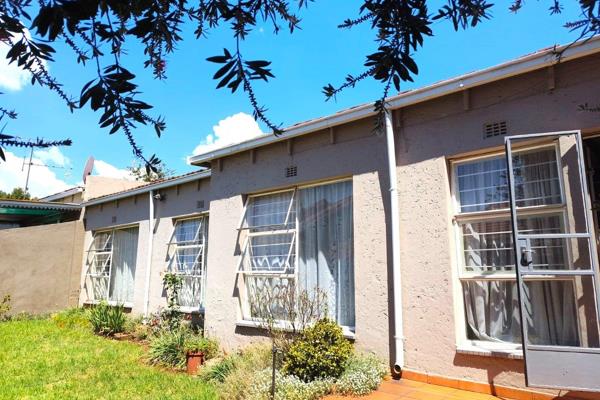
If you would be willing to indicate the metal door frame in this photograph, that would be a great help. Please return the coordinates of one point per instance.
(521, 241)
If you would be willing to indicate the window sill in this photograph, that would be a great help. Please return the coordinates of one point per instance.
(191, 310)
(348, 334)
(484, 349)
(110, 303)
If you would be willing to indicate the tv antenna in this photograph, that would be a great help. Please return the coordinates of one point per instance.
(30, 164)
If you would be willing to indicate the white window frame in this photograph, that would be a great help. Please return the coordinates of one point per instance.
(481, 347)
(172, 250)
(92, 252)
(246, 320)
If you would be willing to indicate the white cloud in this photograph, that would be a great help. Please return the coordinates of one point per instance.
(105, 169)
(42, 180)
(233, 129)
(53, 156)
(13, 77)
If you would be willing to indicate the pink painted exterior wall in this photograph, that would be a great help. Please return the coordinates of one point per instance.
(428, 136)
(357, 153)
(433, 133)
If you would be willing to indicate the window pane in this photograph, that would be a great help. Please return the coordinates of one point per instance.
(271, 253)
(102, 241)
(483, 184)
(326, 259)
(492, 311)
(188, 261)
(536, 178)
(488, 245)
(270, 212)
(98, 288)
(190, 294)
(270, 297)
(187, 231)
(100, 264)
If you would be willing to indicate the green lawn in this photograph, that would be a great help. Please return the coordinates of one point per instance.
(39, 360)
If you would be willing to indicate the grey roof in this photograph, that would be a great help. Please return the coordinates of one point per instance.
(38, 205)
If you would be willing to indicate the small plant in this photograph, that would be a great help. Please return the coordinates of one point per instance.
(199, 344)
(220, 369)
(107, 320)
(5, 307)
(72, 318)
(362, 375)
(320, 352)
(172, 315)
(168, 349)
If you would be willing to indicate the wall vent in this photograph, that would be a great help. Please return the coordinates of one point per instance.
(494, 129)
(114, 219)
(200, 204)
(291, 171)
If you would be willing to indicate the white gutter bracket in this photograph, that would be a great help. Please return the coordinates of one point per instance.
(395, 225)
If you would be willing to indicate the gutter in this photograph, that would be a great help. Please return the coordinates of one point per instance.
(147, 188)
(395, 223)
(508, 69)
(149, 255)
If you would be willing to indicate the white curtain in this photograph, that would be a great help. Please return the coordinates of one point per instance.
(492, 312)
(122, 280)
(326, 247)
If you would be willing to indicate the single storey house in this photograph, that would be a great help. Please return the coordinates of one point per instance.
(412, 233)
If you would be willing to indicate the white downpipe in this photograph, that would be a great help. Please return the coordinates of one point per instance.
(149, 256)
(395, 221)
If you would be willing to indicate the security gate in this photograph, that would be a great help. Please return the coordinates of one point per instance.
(557, 269)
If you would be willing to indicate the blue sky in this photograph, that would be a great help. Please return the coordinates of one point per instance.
(302, 63)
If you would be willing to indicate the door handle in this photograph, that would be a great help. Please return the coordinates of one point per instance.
(526, 257)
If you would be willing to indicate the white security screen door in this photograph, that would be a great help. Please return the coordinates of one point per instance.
(556, 264)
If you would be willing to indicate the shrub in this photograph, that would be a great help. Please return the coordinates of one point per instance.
(320, 352)
(198, 343)
(72, 318)
(5, 307)
(288, 387)
(168, 349)
(107, 320)
(362, 375)
(132, 323)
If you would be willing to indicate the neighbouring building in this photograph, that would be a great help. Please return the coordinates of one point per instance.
(41, 242)
(417, 260)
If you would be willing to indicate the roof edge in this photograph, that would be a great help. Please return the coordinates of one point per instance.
(147, 188)
(64, 193)
(39, 204)
(518, 66)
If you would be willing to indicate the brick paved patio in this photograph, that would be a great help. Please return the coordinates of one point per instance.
(413, 390)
